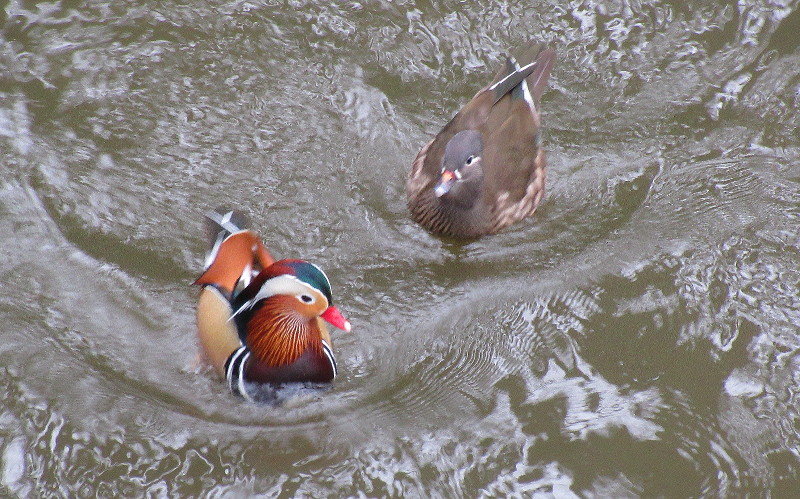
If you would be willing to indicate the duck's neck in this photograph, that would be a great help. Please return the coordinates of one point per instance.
(449, 215)
(465, 194)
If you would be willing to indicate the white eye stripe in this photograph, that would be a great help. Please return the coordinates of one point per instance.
(282, 285)
(285, 285)
(457, 174)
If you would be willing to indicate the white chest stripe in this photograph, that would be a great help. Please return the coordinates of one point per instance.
(234, 372)
(242, 388)
(234, 369)
(329, 353)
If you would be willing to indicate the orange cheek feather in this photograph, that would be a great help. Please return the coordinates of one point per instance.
(277, 333)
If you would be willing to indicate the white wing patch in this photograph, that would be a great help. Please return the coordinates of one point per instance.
(526, 93)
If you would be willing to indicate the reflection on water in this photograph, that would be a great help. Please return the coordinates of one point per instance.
(638, 337)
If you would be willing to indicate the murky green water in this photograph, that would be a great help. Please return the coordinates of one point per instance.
(637, 337)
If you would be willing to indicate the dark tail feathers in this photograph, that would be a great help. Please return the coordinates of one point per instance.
(222, 222)
(537, 62)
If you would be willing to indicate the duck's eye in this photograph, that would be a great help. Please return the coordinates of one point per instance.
(306, 298)
(470, 160)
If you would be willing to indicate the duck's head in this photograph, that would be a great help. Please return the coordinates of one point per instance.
(295, 288)
(462, 169)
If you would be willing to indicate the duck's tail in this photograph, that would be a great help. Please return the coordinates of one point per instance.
(235, 252)
(526, 79)
(221, 223)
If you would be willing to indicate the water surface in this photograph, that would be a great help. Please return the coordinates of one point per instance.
(637, 337)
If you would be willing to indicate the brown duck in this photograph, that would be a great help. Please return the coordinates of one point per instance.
(485, 170)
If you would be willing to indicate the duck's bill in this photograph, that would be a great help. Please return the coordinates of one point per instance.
(445, 183)
(335, 318)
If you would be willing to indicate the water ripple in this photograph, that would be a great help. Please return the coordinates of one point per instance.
(641, 327)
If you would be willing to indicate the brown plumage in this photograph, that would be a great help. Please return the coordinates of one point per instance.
(486, 169)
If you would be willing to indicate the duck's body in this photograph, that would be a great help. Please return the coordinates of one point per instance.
(261, 320)
(486, 169)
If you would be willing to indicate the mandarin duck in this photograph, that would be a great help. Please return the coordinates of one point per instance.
(261, 320)
(485, 170)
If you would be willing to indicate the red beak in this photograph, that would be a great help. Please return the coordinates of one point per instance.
(333, 316)
(444, 185)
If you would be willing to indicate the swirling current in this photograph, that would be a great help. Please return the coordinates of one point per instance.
(638, 337)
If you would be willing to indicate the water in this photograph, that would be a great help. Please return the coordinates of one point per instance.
(637, 337)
